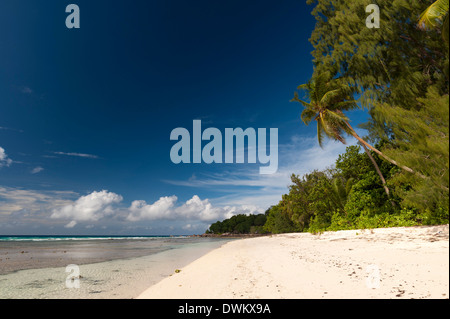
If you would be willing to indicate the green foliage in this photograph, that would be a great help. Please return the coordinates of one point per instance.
(278, 221)
(400, 73)
(436, 15)
(340, 189)
(367, 196)
(366, 220)
(350, 196)
(328, 98)
(353, 163)
(239, 224)
(395, 63)
(422, 141)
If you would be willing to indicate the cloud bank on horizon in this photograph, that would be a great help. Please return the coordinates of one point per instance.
(243, 192)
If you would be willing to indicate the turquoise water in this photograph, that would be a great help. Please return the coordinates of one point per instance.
(31, 252)
(117, 267)
(62, 237)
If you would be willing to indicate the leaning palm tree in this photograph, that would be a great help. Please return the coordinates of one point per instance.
(328, 98)
(436, 15)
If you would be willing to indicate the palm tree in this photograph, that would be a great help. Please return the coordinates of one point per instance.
(328, 99)
(340, 190)
(436, 15)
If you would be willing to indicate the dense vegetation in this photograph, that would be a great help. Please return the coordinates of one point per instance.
(399, 175)
(349, 196)
(239, 224)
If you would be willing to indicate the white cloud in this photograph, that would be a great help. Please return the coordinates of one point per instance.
(22, 209)
(71, 224)
(29, 207)
(192, 209)
(91, 207)
(20, 199)
(77, 154)
(161, 209)
(241, 190)
(4, 160)
(198, 209)
(37, 170)
(245, 186)
(10, 129)
(26, 90)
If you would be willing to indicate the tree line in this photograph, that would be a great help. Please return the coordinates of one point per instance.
(240, 224)
(398, 175)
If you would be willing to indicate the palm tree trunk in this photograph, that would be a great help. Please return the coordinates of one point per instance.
(406, 168)
(377, 168)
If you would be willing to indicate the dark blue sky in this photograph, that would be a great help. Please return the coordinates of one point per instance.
(91, 109)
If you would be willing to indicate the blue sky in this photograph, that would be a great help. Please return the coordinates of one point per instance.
(86, 114)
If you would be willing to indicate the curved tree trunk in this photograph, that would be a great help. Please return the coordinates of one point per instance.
(406, 168)
(377, 168)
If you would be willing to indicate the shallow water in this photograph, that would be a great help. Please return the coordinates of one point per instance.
(107, 269)
(38, 252)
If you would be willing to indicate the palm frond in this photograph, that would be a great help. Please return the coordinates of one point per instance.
(445, 29)
(340, 120)
(369, 98)
(337, 134)
(337, 116)
(434, 14)
(349, 185)
(297, 99)
(303, 86)
(308, 115)
(306, 88)
(320, 85)
(328, 129)
(330, 95)
(344, 105)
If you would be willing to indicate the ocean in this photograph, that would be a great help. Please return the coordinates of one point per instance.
(63, 237)
(105, 266)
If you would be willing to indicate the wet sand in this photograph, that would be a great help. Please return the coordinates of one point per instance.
(20, 255)
(112, 269)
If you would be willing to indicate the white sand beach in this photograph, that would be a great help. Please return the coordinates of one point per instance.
(406, 262)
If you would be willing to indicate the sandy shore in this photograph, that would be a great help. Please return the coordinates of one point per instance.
(406, 262)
